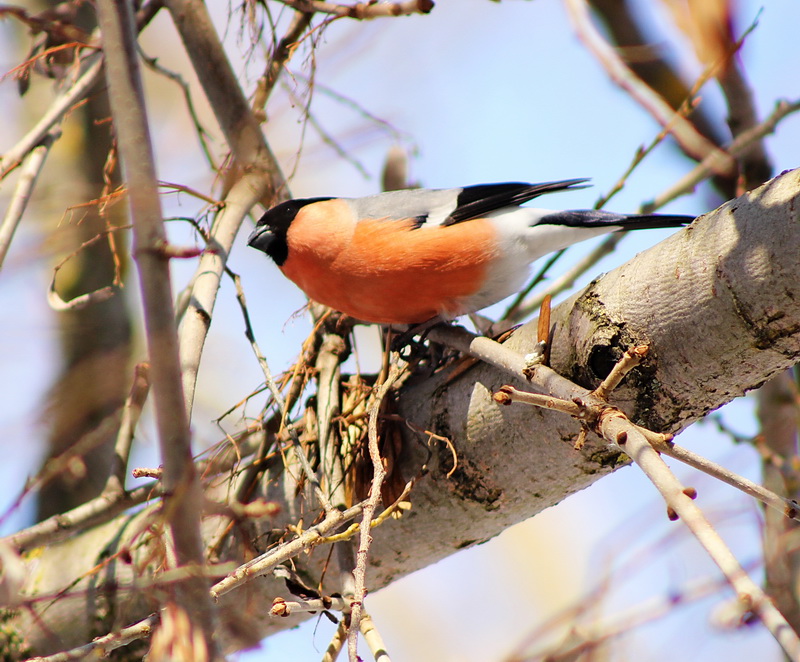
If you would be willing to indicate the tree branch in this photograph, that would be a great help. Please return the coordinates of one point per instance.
(722, 273)
(183, 506)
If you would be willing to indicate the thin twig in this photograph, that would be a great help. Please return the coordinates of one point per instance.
(277, 61)
(79, 302)
(522, 306)
(202, 295)
(92, 71)
(221, 86)
(400, 504)
(31, 167)
(105, 644)
(264, 564)
(630, 359)
(362, 10)
(283, 608)
(507, 394)
(373, 638)
(92, 68)
(378, 476)
(787, 507)
(754, 163)
(101, 509)
(337, 642)
(615, 426)
(280, 403)
(202, 134)
(329, 397)
(131, 412)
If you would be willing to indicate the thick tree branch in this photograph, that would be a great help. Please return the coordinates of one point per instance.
(718, 305)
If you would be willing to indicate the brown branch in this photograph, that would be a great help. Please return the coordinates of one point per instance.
(182, 510)
(362, 10)
(280, 56)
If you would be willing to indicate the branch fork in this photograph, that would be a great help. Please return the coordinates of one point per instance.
(644, 448)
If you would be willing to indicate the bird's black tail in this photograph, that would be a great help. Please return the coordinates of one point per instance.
(591, 218)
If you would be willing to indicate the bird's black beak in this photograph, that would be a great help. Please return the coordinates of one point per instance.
(261, 238)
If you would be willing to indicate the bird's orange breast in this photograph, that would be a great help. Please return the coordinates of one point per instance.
(385, 270)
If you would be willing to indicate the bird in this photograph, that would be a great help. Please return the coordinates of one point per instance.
(413, 256)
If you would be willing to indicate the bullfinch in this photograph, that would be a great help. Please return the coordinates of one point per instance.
(410, 256)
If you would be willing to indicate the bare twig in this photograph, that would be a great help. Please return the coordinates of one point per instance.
(630, 359)
(280, 403)
(29, 172)
(100, 509)
(262, 179)
(523, 305)
(378, 476)
(264, 564)
(679, 501)
(105, 644)
(280, 56)
(337, 642)
(329, 377)
(282, 608)
(131, 411)
(92, 71)
(507, 394)
(202, 134)
(399, 504)
(789, 508)
(58, 304)
(373, 639)
(362, 10)
(230, 106)
(202, 295)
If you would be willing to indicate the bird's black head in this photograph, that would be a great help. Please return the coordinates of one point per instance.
(270, 233)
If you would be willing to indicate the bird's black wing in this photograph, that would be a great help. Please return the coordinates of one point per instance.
(476, 201)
